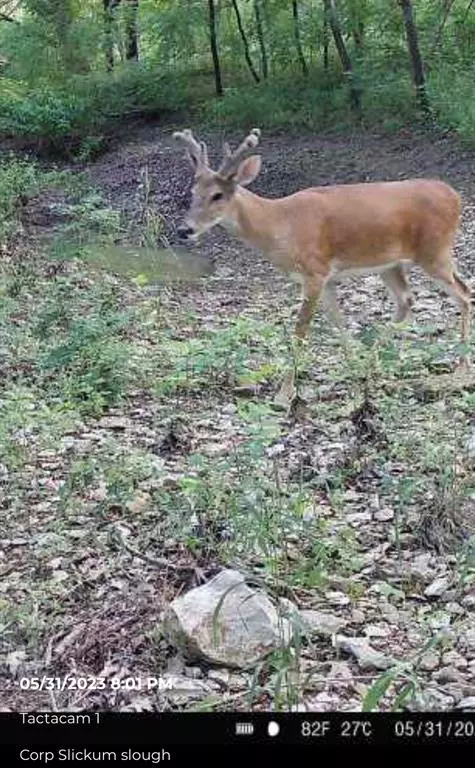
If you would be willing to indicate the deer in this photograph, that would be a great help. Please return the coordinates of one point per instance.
(319, 235)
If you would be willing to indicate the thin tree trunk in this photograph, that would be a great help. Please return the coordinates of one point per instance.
(245, 43)
(358, 37)
(214, 48)
(415, 56)
(131, 31)
(298, 42)
(333, 21)
(448, 4)
(261, 38)
(108, 16)
(326, 38)
(467, 11)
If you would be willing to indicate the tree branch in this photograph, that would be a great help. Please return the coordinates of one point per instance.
(5, 17)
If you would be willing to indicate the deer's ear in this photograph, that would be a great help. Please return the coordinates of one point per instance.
(248, 170)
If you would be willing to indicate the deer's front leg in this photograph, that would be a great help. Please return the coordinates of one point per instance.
(311, 294)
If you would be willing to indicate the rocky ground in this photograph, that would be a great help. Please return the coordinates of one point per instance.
(359, 508)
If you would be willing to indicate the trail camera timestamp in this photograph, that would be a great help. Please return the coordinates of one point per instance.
(70, 682)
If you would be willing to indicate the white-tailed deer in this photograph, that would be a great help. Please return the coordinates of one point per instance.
(321, 234)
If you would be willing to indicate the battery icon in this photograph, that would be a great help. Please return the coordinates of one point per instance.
(244, 729)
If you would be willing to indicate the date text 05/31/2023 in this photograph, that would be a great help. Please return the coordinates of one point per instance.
(91, 683)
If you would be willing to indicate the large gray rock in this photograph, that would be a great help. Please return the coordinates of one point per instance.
(225, 622)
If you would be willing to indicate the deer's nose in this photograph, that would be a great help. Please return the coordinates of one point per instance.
(184, 232)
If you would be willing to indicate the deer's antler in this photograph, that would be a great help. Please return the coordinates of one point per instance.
(196, 150)
(232, 160)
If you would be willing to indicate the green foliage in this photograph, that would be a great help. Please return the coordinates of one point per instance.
(76, 115)
(17, 178)
(90, 363)
(56, 93)
(226, 358)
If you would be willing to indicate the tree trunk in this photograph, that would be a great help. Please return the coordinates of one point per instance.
(467, 11)
(298, 42)
(214, 48)
(245, 43)
(131, 31)
(415, 56)
(448, 4)
(358, 37)
(108, 16)
(326, 39)
(261, 38)
(333, 21)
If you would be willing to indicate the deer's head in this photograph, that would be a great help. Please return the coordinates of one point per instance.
(213, 191)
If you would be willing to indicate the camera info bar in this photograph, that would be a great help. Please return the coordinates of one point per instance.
(130, 738)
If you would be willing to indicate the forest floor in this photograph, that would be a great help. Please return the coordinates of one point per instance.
(140, 447)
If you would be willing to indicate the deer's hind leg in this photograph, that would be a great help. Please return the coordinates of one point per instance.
(443, 271)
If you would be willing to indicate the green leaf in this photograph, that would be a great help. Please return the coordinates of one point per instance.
(378, 689)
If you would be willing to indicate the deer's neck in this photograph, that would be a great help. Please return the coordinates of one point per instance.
(253, 219)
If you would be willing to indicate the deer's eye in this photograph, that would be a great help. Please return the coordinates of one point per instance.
(217, 196)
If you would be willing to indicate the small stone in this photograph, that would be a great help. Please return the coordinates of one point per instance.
(440, 621)
(389, 612)
(469, 600)
(415, 636)
(238, 682)
(139, 503)
(420, 566)
(468, 639)
(467, 703)
(194, 672)
(322, 702)
(376, 630)
(454, 608)
(437, 587)
(337, 598)
(366, 656)
(435, 700)
(221, 676)
(384, 515)
(448, 675)
(113, 422)
(185, 686)
(357, 616)
(321, 622)
(454, 659)
(470, 447)
(60, 575)
(429, 661)
(455, 690)
(358, 518)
